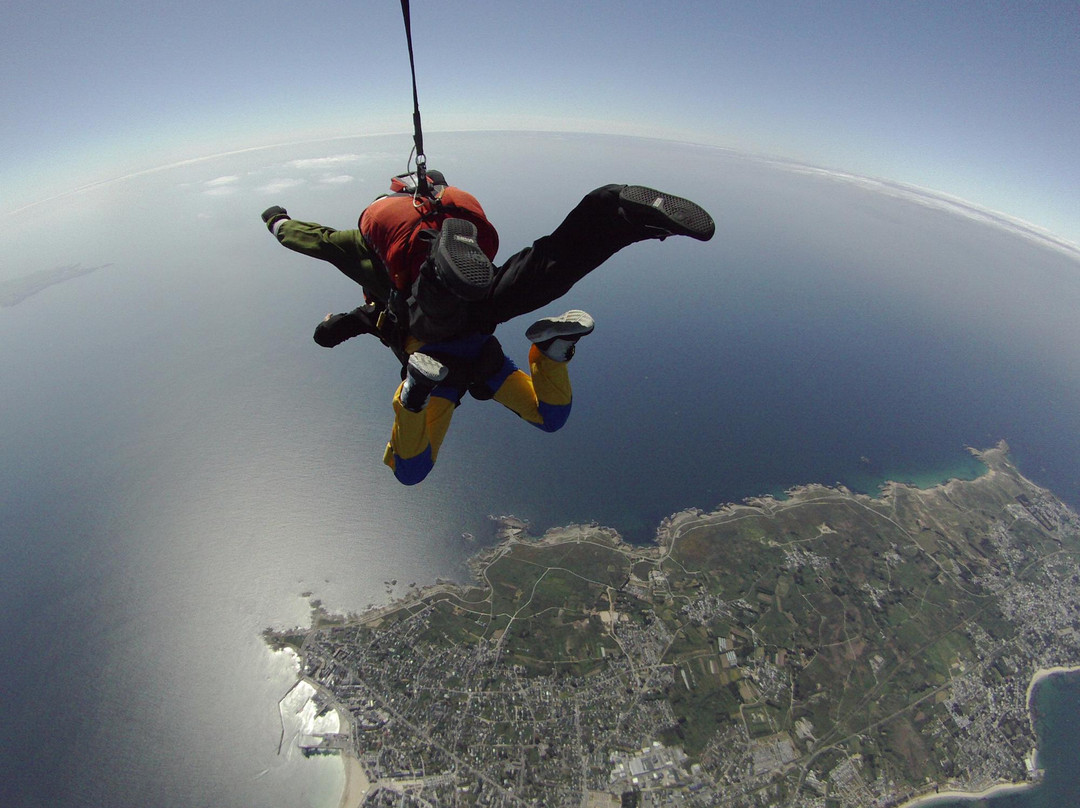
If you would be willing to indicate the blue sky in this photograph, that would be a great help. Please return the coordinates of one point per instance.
(980, 100)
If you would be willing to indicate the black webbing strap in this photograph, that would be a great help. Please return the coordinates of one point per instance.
(418, 133)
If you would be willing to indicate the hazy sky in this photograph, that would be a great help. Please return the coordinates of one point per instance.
(976, 99)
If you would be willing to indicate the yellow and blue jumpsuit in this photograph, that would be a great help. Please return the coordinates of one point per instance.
(541, 397)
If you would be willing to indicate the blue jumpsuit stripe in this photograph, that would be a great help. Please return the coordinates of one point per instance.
(554, 416)
(411, 470)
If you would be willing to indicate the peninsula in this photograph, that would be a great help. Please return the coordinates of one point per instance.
(16, 290)
(826, 650)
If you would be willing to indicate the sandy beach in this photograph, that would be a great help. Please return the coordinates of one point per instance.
(1043, 673)
(929, 800)
(357, 784)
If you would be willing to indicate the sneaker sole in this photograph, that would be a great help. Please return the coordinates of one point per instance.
(428, 366)
(574, 323)
(670, 214)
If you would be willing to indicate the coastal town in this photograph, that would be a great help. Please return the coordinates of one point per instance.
(826, 650)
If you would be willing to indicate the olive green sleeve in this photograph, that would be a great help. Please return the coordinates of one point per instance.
(345, 249)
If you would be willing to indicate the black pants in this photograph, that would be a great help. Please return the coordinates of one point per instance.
(589, 235)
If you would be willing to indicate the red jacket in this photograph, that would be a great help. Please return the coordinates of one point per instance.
(391, 225)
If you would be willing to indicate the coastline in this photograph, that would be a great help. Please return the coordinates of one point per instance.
(996, 460)
(1046, 673)
(929, 800)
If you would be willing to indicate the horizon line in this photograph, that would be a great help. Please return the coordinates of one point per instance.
(945, 200)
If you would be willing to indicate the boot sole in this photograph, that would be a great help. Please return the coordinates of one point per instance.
(428, 367)
(458, 247)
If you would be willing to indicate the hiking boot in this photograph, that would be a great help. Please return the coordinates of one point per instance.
(460, 265)
(662, 215)
(423, 374)
(556, 337)
(336, 328)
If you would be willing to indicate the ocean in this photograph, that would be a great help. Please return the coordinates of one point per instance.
(183, 467)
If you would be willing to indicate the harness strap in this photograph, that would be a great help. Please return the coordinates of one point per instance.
(392, 325)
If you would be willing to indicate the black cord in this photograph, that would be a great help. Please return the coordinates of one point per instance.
(418, 133)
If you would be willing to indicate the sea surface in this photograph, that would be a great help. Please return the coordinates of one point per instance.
(182, 466)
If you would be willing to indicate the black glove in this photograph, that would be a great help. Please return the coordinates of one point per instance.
(273, 215)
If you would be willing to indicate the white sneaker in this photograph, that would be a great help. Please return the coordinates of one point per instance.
(556, 337)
